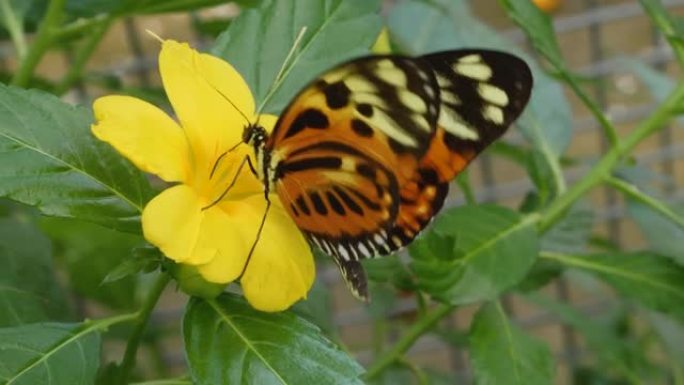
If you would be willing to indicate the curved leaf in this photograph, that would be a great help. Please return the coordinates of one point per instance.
(500, 350)
(259, 40)
(28, 289)
(652, 280)
(50, 160)
(228, 342)
(474, 253)
(49, 354)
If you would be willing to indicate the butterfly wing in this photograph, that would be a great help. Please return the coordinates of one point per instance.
(365, 153)
(481, 93)
(343, 148)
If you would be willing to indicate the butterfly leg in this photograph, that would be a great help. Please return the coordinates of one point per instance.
(232, 182)
(258, 235)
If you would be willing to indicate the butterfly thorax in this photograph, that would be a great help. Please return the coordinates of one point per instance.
(256, 136)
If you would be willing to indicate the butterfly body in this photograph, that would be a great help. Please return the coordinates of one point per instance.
(363, 156)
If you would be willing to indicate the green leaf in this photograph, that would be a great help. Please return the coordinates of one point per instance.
(652, 280)
(50, 160)
(317, 308)
(474, 253)
(613, 350)
(28, 289)
(500, 350)
(49, 354)
(663, 236)
(228, 342)
(143, 259)
(538, 26)
(259, 40)
(571, 234)
(88, 262)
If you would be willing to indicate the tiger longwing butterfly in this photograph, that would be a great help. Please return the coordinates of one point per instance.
(362, 157)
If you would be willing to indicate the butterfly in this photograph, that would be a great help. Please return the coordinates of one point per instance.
(363, 155)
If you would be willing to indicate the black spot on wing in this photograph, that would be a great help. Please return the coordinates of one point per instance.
(322, 162)
(309, 118)
(348, 201)
(335, 203)
(361, 128)
(303, 206)
(337, 95)
(318, 203)
(365, 109)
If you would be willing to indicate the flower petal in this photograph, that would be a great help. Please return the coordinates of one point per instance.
(281, 270)
(206, 93)
(144, 134)
(171, 221)
(229, 229)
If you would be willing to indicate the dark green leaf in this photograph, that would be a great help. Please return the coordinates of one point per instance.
(540, 275)
(28, 289)
(90, 253)
(663, 236)
(50, 160)
(228, 342)
(572, 233)
(390, 270)
(91, 8)
(537, 24)
(49, 354)
(259, 40)
(317, 308)
(650, 279)
(474, 253)
(500, 350)
(613, 350)
(143, 259)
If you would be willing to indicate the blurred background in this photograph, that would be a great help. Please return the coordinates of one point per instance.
(625, 64)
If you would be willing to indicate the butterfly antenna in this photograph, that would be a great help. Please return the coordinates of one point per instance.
(229, 101)
(284, 69)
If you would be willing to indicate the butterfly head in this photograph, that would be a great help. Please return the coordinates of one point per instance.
(254, 135)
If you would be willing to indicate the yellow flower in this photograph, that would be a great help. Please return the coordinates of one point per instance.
(193, 222)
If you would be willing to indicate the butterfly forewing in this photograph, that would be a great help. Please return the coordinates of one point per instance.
(364, 154)
(481, 93)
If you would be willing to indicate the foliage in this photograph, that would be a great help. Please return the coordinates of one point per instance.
(91, 245)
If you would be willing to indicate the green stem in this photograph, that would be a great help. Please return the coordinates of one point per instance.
(636, 194)
(606, 125)
(79, 27)
(14, 25)
(463, 181)
(141, 322)
(602, 169)
(41, 43)
(84, 53)
(659, 15)
(418, 373)
(421, 326)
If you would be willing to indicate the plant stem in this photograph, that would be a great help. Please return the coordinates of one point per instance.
(636, 194)
(606, 125)
(42, 42)
(141, 322)
(15, 28)
(658, 13)
(84, 53)
(421, 326)
(601, 170)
